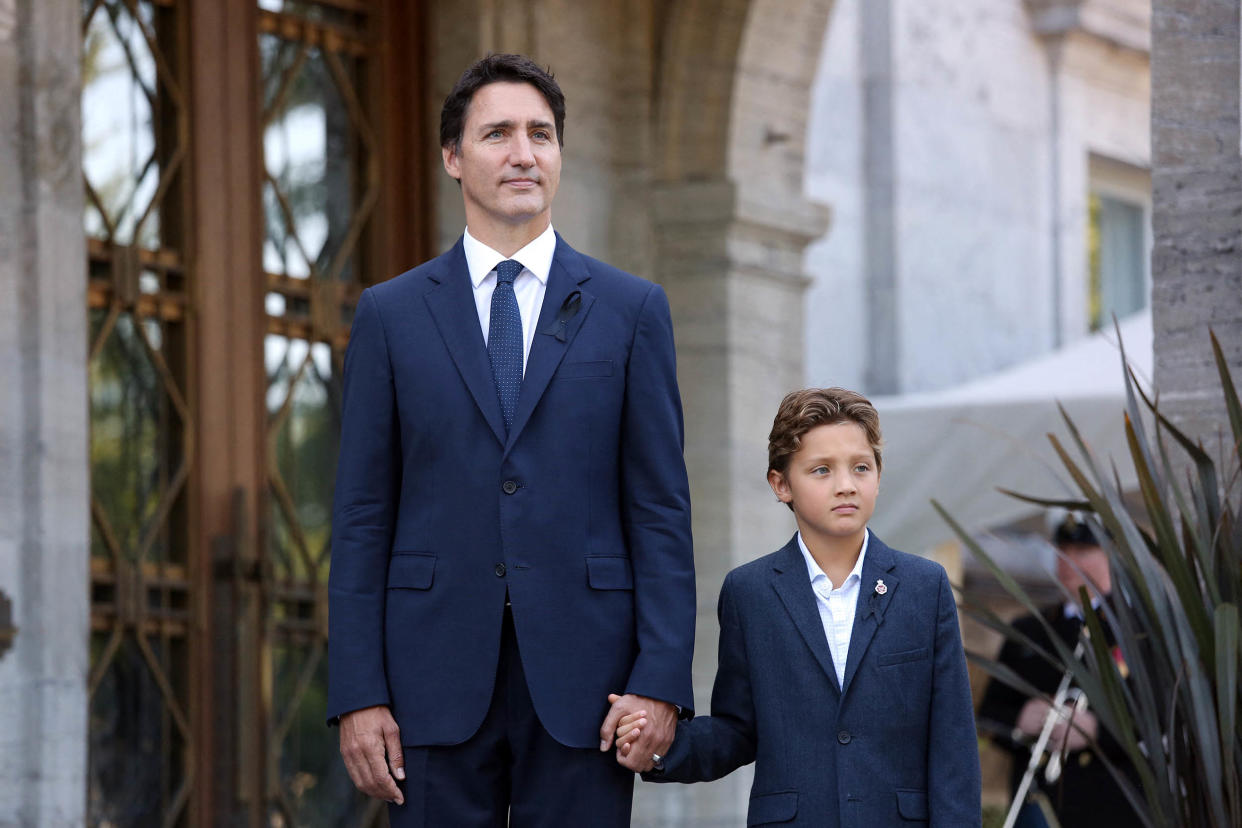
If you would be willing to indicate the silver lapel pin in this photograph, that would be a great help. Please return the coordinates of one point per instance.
(880, 586)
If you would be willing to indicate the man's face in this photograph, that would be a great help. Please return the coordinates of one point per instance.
(509, 160)
(832, 482)
(1087, 559)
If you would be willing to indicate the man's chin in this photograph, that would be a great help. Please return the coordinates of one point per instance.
(519, 214)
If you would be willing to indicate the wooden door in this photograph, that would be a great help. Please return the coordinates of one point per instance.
(247, 172)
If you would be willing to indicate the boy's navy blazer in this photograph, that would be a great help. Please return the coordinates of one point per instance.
(581, 512)
(894, 746)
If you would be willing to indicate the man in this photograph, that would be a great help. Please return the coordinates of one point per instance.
(511, 530)
(1086, 793)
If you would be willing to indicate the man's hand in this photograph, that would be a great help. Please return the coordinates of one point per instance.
(1077, 729)
(653, 737)
(366, 735)
(1031, 719)
(1078, 734)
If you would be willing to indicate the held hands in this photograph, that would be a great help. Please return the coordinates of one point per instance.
(366, 735)
(642, 727)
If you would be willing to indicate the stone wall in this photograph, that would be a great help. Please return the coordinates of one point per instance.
(1197, 182)
(44, 529)
(954, 142)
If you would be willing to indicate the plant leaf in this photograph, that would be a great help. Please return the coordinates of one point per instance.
(1232, 405)
(1227, 695)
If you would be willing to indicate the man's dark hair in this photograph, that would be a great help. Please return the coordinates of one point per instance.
(1073, 531)
(498, 69)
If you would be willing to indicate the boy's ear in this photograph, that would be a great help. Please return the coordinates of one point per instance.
(780, 486)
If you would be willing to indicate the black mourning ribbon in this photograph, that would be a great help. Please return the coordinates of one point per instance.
(568, 310)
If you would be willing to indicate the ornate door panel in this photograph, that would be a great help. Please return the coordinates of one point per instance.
(320, 186)
(242, 161)
(134, 117)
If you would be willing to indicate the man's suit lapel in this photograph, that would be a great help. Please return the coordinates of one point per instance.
(869, 614)
(452, 306)
(565, 305)
(792, 585)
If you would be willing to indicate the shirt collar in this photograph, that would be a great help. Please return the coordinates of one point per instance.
(812, 568)
(536, 256)
(1072, 610)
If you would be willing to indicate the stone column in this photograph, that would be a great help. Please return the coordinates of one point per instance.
(44, 464)
(733, 271)
(1197, 206)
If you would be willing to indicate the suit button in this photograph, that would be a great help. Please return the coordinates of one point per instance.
(844, 737)
(509, 487)
(500, 570)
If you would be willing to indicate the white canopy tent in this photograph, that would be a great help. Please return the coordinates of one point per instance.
(958, 445)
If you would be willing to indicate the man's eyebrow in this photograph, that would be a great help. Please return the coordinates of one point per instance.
(496, 125)
(508, 124)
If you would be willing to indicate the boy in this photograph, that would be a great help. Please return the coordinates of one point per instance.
(841, 671)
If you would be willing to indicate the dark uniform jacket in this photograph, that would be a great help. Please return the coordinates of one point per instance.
(1086, 794)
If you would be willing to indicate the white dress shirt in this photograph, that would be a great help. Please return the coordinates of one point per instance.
(836, 606)
(528, 287)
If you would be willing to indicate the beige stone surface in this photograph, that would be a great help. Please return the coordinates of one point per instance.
(44, 530)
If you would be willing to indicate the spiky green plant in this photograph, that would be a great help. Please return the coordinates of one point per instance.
(1177, 580)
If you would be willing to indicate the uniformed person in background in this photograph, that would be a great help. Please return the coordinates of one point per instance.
(1086, 794)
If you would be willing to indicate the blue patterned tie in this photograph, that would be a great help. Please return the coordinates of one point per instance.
(504, 340)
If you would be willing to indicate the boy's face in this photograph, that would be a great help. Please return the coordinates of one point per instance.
(831, 482)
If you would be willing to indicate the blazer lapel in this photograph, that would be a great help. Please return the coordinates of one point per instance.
(565, 306)
(791, 583)
(451, 302)
(869, 614)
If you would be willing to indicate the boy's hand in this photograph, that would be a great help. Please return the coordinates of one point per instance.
(628, 729)
(653, 738)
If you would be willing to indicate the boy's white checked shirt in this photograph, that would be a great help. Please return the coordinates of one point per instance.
(836, 606)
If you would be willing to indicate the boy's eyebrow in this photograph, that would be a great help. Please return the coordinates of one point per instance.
(869, 456)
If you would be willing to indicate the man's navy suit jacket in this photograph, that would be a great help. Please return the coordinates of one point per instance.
(894, 746)
(581, 512)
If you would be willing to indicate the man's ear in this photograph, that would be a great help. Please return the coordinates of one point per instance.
(451, 161)
(780, 486)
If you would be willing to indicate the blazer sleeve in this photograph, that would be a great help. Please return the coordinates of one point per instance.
(655, 500)
(954, 785)
(709, 747)
(363, 518)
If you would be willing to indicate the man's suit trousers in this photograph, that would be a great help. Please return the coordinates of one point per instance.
(511, 772)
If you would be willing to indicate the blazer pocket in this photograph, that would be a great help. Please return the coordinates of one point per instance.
(912, 803)
(584, 370)
(889, 659)
(609, 572)
(411, 570)
(772, 808)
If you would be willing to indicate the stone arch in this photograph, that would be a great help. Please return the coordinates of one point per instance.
(730, 223)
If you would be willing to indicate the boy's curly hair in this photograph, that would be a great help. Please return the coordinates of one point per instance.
(803, 410)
